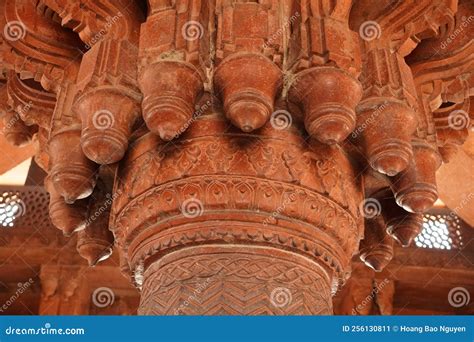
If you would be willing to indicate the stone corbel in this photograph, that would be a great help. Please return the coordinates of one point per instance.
(55, 65)
(386, 117)
(108, 98)
(73, 175)
(326, 57)
(250, 43)
(376, 249)
(95, 242)
(451, 123)
(403, 226)
(415, 188)
(171, 74)
(69, 218)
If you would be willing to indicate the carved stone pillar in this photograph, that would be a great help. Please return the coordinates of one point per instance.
(239, 151)
(257, 214)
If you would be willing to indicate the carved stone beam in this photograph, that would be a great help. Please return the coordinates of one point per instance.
(325, 56)
(442, 70)
(171, 72)
(93, 20)
(26, 28)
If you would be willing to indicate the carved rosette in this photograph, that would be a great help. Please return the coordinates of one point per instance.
(268, 192)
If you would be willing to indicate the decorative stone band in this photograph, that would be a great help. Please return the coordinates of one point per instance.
(238, 211)
(220, 186)
(213, 280)
(210, 147)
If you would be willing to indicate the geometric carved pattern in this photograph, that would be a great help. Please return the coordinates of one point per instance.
(314, 217)
(235, 283)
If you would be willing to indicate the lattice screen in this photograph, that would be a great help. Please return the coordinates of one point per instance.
(441, 231)
(24, 206)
